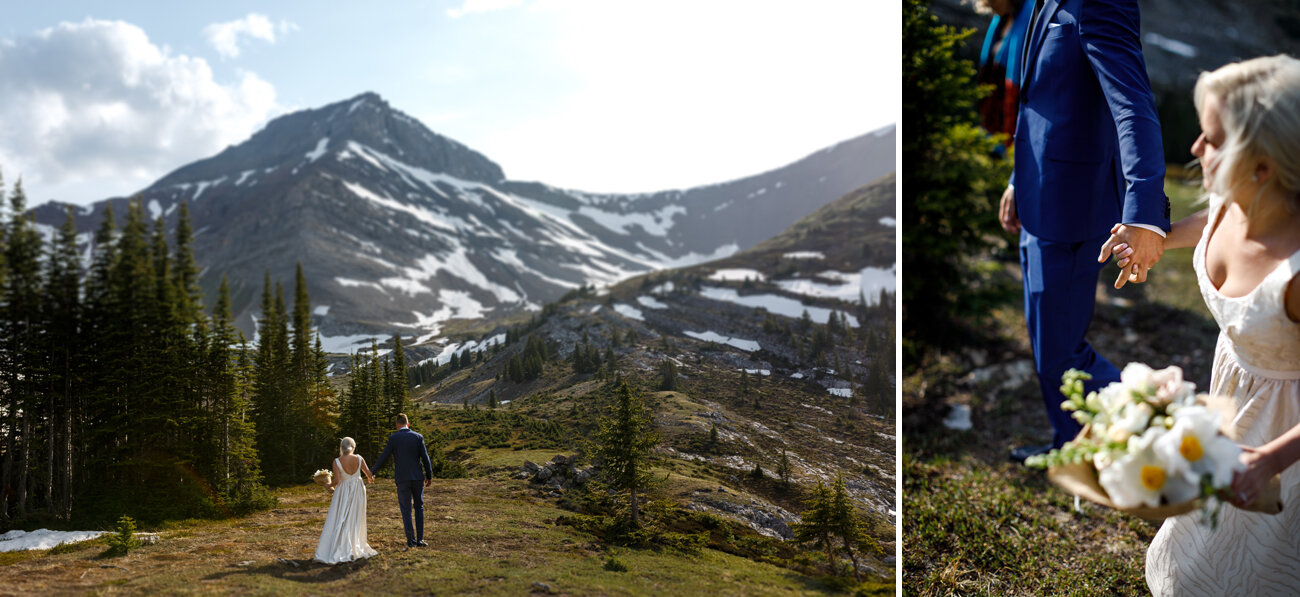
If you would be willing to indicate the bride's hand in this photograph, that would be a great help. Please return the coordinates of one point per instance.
(1249, 484)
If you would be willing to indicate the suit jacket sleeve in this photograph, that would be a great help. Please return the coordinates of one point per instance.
(424, 460)
(1109, 34)
(383, 457)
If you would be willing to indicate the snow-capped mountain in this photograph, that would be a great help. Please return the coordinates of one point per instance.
(400, 229)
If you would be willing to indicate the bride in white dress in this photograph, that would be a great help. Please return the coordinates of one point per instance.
(1247, 264)
(344, 537)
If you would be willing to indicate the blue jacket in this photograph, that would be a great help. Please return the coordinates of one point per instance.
(409, 454)
(1088, 148)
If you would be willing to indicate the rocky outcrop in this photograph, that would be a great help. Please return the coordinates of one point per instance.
(556, 476)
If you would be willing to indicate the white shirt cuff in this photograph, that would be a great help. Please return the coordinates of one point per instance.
(1155, 229)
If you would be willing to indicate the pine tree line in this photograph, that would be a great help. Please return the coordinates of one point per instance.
(293, 401)
(118, 392)
(377, 392)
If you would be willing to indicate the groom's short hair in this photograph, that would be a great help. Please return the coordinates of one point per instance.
(401, 420)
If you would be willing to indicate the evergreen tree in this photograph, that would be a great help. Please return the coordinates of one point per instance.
(398, 390)
(62, 321)
(783, 468)
(623, 441)
(668, 376)
(20, 314)
(950, 205)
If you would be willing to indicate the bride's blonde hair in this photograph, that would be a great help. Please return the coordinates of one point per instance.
(1260, 113)
(346, 446)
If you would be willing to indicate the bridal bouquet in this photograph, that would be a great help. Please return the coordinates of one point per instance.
(322, 476)
(1150, 446)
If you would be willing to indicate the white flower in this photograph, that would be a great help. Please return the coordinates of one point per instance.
(1193, 447)
(1136, 416)
(1137, 376)
(1170, 386)
(1140, 478)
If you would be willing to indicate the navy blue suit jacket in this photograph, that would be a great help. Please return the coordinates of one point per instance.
(1088, 149)
(407, 449)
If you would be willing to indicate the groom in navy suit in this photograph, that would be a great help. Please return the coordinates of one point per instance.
(1088, 156)
(409, 454)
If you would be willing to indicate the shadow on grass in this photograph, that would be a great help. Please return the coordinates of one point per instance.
(301, 571)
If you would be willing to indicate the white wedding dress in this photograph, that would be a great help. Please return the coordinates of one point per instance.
(1257, 362)
(344, 537)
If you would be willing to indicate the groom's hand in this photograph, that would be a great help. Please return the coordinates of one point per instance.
(1145, 249)
(427, 483)
(1007, 211)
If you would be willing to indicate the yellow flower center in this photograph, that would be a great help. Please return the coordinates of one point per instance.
(1153, 477)
(1191, 448)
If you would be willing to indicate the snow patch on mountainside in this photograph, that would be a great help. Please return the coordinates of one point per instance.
(779, 305)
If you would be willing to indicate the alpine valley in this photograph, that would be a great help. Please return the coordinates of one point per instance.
(742, 334)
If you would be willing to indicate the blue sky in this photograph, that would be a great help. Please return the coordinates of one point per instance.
(100, 99)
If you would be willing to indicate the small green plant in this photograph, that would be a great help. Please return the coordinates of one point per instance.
(123, 540)
(613, 564)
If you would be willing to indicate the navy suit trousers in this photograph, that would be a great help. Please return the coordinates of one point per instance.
(410, 496)
(1060, 293)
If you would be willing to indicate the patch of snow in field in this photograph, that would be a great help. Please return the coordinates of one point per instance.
(244, 176)
(43, 539)
(805, 255)
(155, 209)
(456, 348)
(763, 372)
(817, 408)
(344, 344)
(655, 223)
(319, 151)
(796, 375)
(629, 311)
(776, 304)
(664, 288)
(710, 336)
(419, 213)
(865, 284)
(594, 309)
(458, 264)
(511, 258)
(737, 275)
(888, 221)
(321, 310)
(841, 392)
(650, 302)
(407, 286)
(350, 282)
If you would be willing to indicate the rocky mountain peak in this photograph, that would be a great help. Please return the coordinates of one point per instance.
(301, 138)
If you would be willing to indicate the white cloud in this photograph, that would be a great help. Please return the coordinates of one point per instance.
(475, 6)
(94, 109)
(226, 37)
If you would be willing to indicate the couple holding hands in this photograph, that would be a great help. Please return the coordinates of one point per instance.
(343, 537)
(1089, 178)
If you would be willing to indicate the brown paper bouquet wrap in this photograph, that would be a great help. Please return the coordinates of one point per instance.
(1081, 478)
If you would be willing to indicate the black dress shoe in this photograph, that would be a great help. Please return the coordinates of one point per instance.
(421, 543)
(1023, 452)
